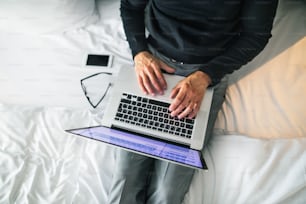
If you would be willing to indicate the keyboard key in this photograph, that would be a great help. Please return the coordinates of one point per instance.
(159, 103)
(125, 101)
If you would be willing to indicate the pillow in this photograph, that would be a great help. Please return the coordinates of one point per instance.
(108, 9)
(266, 98)
(45, 16)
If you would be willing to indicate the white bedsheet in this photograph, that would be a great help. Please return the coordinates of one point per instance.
(41, 96)
(40, 163)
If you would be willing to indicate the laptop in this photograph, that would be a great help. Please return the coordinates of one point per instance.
(130, 109)
(142, 123)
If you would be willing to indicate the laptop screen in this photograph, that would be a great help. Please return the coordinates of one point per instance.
(148, 146)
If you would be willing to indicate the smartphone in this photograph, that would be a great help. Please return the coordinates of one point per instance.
(102, 60)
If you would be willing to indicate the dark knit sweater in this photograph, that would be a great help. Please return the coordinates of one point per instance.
(219, 35)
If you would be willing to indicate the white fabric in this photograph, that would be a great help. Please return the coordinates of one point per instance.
(41, 96)
(37, 16)
(247, 170)
(47, 69)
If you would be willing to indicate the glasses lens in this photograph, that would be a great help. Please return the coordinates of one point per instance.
(95, 87)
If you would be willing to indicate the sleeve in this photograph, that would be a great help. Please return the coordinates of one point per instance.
(132, 14)
(256, 25)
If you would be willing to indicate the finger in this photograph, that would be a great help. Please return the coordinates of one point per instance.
(181, 108)
(181, 105)
(194, 112)
(178, 99)
(160, 77)
(174, 92)
(188, 110)
(166, 67)
(141, 84)
(154, 82)
(147, 84)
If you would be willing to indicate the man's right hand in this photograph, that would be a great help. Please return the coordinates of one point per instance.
(149, 75)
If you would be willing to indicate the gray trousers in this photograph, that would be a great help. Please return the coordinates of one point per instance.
(140, 179)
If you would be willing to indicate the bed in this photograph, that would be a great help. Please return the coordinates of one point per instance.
(256, 155)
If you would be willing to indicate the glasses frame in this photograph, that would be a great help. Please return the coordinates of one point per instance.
(85, 91)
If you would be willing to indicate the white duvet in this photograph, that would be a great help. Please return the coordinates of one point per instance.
(41, 97)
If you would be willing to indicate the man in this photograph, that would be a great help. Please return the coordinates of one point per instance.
(203, 40)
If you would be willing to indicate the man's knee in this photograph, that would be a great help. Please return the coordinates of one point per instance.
(166, 195)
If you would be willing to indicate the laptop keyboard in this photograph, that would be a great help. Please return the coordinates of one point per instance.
(152, 114)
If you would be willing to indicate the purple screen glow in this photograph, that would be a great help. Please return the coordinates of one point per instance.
(148, 146)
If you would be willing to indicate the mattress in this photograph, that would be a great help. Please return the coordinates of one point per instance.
(257, 153)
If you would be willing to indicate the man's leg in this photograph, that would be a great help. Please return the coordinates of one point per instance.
(169, 183)
(216, 105)
(130, 178)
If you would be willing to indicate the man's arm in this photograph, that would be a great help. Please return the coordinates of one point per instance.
(147, 67)
(132, 14)
(256, 25)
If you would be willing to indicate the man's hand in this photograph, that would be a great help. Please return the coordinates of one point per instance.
(149, 74)
(188, 95)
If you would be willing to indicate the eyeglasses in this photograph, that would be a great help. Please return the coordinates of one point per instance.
(95, 87)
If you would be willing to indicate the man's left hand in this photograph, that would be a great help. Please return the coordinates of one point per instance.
(188, 95)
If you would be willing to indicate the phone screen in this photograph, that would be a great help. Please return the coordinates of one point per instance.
(98, 60)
